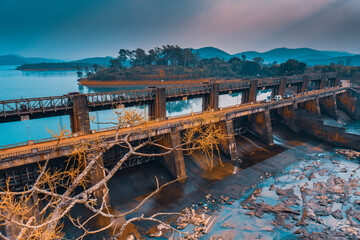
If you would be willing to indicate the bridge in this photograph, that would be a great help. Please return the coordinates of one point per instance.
(314, 95)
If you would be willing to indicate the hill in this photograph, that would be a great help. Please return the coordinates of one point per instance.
(82, 63)
(101, 61)
(283, 54)
(211, 52)
(13, 59)
(345, 60)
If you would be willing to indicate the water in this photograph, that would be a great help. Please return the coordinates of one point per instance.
(353, 127)
(27, 84)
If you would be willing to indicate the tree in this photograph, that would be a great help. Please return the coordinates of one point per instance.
(258, 60)
(96, 67)
(243, 57)
(79, 72)
(37, 211)
(291, 67)
(250, 68)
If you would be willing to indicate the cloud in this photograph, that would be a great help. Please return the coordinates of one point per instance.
(83, 28)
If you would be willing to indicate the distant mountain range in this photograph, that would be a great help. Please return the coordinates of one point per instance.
(13, 59)
(280, 55)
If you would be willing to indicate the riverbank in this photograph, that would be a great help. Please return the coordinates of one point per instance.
(47, 69)
(141, 82)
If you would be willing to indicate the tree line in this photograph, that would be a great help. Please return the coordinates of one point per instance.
(174, 62)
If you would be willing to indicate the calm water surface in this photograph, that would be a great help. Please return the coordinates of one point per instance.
(28, 84)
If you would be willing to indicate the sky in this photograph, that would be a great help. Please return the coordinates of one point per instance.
(73, 29)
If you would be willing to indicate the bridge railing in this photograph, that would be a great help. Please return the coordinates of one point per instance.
(315, 76)
(294, 79)
(34, 105)
(187, 90)
(234, 85)
(331, 75)
(120, 97)
(269, 82)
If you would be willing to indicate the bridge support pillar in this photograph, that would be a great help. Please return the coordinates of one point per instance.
(157, 109)
(253, 91)
(288, 116)
(211, 101)
(96, 174)
(349, 102)
(260, 124)
(313, 107)
(305, 84)
(79, 117)
(282, 87)
(174, 161)
(337, 79)
(329, 105)
(323, 81)
(229, 145)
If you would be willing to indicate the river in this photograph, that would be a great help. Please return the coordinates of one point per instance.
(291, 156)
(29, 84)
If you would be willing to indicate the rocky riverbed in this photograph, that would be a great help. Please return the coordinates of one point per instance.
(315, 198)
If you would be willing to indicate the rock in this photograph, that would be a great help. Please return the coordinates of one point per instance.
(322, 172)
(357, 193)
(208, 196)
(230, 202)
(337, 214)
(343, 170)
(311, 176)
(272, 187)
(131, 237)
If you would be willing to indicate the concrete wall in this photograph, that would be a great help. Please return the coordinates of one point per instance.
(349, 102)
(335, 135)
(260, 125)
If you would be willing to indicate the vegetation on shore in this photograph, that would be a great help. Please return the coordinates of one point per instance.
(170, 62)
(54, 66)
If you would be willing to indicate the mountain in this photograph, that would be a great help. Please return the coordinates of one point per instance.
(283, 54)
(13, 59)
(344, 60)
(211, 52)
(102, 61)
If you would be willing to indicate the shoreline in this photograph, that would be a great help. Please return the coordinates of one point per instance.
(52, 69)
(141, 82)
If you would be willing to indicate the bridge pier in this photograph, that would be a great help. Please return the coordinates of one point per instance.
(305, 84)
(79, 116)
(229, 145)
(287, 114)
(313, 106)
(253, 91)
(157, 108)
(323, 81)
(96, 174)
(349, 102)
(211, 101)
(174, 161)
(282, 87)
(329, 105)
(260, 124)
